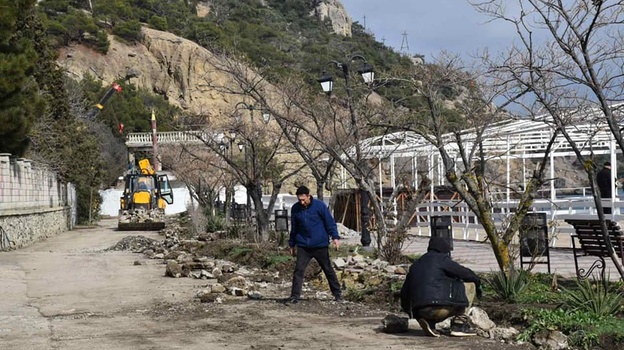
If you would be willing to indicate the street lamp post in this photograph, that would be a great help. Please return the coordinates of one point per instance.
(248, 146)
(229, 191)
(327, 84)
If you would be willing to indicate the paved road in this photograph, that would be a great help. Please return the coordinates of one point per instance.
(67, 293)
(62, 293)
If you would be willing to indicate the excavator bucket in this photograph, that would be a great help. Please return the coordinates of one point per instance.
(140, 226)
(141, 220)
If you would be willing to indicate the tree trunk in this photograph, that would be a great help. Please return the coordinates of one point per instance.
(320, 189)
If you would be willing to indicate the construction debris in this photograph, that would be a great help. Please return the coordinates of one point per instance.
(141, 219)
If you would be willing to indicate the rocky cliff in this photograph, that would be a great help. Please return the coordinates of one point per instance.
(168, 65)
(171, 66)
(337, 14)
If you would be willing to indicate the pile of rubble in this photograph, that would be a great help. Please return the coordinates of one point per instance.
(136, 244)
(346, 232)
(141, 215)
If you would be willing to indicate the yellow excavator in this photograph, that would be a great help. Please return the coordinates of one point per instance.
(145, 196)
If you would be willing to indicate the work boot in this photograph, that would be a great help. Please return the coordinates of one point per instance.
(291, 301)
(460, 327)
(428, 327)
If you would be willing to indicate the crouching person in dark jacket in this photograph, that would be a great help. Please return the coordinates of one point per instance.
(437, 288)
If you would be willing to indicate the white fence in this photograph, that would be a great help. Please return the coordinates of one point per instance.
(466, 226)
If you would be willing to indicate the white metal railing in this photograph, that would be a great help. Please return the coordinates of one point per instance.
(466, 224)
(144, 139)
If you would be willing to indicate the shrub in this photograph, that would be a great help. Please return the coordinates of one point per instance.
(587, 314)
(354, 294)
(235, 232)
(215, 223)
(508, 286)
(129, 30)
(101, 42)
(276, 260)
(158, 22)
(595, 298)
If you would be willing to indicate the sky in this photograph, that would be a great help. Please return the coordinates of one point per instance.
(431, 26)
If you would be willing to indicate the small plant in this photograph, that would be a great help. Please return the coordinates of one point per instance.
(240, 251)
(541, 289)
(354, 294)
(596, 298)
(215, 223)
(276, 260)
(508, 286)
(412, 257)
(279, 237)
(585, 329)
(236, 232)
(395, 287)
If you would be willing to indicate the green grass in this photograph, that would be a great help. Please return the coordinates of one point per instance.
(584, 329)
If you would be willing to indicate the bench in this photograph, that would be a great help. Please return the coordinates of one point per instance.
(588, 234)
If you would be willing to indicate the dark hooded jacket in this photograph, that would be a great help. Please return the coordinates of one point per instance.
(436, 280)
(603, 178)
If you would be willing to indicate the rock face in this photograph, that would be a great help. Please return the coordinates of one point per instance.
(332, 9)
(337, 14)
(176, 68)
(180, 70)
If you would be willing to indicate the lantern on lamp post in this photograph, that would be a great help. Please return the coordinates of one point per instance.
(327, 84)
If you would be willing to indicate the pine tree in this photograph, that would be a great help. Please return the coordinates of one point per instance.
(20, 103)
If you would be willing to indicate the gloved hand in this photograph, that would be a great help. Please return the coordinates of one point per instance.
(479, 291)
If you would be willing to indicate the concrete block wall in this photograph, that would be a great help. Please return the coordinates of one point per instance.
(26, 185)
(34, 203)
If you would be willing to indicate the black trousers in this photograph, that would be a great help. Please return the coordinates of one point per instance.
(435, 314)
(321, 255)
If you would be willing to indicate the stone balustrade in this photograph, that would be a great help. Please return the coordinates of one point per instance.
(144, 139)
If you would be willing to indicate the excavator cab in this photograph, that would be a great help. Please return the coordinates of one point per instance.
(141, 192)
(166, 193)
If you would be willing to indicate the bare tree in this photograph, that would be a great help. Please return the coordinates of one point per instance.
(452, 110)
(247, 139)
(339, 125)
(197, 169)
(567, 62)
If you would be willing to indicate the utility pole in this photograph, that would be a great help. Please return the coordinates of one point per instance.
(154, 143)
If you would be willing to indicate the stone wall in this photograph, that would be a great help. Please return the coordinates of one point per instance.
(26, 227)
(34, 203)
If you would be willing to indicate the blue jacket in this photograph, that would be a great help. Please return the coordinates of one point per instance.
(311, 226)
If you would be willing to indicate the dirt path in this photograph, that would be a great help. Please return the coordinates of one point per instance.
(70, 293)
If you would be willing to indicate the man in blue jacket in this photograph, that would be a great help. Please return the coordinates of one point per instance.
(436, 288)
(312, 226)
